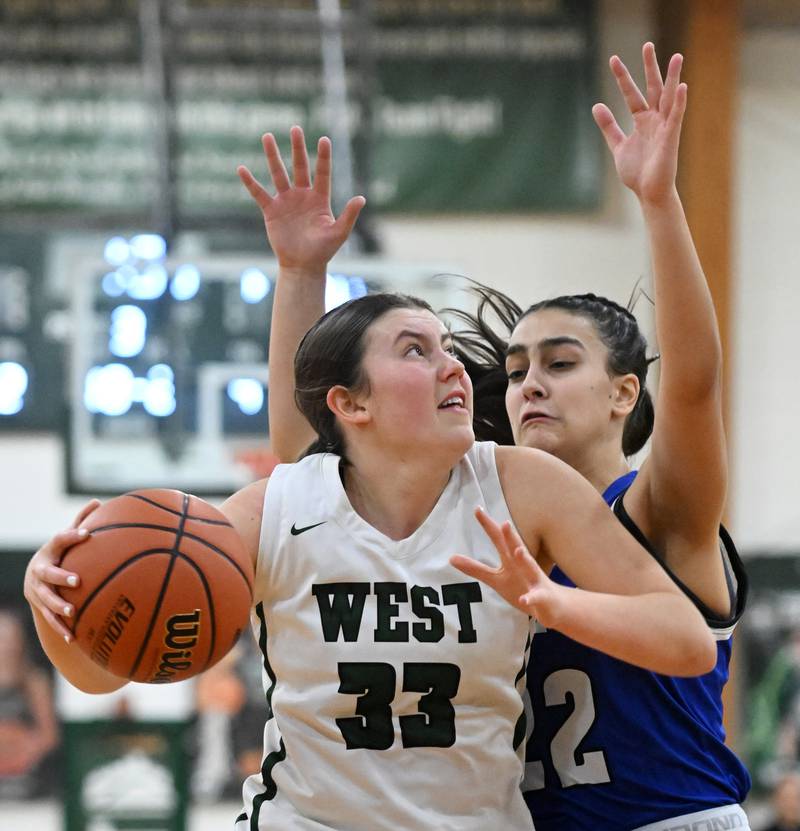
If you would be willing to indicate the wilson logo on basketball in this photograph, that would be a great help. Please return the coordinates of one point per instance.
(111, 630)
(180, 639)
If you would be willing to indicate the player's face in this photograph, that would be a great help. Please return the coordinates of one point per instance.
(559, 395)
(418, 392)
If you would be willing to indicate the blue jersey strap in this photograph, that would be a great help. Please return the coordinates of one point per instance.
(731, 561)
(618, 487)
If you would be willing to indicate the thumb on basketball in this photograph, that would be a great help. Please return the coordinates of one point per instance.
(84, 512)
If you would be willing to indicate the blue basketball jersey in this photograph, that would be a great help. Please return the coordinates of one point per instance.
(615, 747)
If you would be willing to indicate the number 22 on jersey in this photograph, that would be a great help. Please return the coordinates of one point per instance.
(572, 768)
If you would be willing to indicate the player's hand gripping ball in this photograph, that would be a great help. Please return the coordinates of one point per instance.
(166, 586)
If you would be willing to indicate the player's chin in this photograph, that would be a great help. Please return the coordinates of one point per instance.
(460, 439)
(539, 440)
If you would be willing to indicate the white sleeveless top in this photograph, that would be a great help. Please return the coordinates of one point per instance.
(394, 682)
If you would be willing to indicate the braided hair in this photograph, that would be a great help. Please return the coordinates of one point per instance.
(483, 352)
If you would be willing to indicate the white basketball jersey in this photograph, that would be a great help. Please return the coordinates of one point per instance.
(394, 682)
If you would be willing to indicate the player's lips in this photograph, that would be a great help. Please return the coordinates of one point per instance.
(454, 401)
(536, 416)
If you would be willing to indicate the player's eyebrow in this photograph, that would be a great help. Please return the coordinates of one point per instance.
(410, 333)
(545, 343)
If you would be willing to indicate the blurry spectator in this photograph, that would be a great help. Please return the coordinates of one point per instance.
(774, 717)
(248, 722)
(231, 710)
(220, 695)
(28, 726)
(786, 804)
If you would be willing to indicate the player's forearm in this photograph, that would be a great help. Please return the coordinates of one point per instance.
(299, 302)
(660, 631)
(79, 669)
(686, 323)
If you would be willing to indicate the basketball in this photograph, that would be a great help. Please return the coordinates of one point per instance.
(165, 588)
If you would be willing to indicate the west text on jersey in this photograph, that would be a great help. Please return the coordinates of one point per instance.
(341, 610)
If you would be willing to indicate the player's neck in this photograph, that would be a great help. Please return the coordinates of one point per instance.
(601, 465)
(395, 498)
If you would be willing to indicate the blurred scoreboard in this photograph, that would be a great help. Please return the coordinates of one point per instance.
(31, 332)
(169, 376)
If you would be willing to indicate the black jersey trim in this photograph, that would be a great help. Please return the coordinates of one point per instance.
(262, 645)
(276, 756)
(738, 593)
(521, 727)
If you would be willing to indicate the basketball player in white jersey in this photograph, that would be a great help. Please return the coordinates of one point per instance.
(394, 682)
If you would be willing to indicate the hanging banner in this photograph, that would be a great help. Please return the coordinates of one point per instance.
(468, 107)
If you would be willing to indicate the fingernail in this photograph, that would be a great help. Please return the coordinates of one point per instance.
(67, 610)
(72, 580)
(67, 638)
(82, 532)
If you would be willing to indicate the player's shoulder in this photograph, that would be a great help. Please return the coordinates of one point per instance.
(250, 496)
(244, 511)
(538, 486)
(521, 465)
(511, 456)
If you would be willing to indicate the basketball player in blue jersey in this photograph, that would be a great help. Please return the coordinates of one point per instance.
(395, 683)
(612, 747)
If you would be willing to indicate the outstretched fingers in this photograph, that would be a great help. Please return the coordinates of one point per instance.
(612, 132)
(495, 532)
(536, 578)
(280, 178)
(349, 215)
(515, 559)
(254, 188)
(300, 167)
(490, 575)
(511, 539)
(634, 99)
(671, 87)
(322, 171)
(476, 570)
(520, 559)
(678, 109)
(652, 75)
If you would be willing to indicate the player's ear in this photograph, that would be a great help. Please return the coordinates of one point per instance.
(346, 406)
(625, 393)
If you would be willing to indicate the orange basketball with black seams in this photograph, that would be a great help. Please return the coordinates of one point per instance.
(166, 586)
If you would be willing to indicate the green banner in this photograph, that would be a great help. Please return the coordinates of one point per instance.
(471, 107)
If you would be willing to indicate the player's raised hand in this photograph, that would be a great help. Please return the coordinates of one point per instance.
(519, 578)
(647, 159)
(43, 575)
(302, 230)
